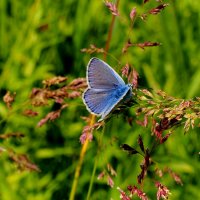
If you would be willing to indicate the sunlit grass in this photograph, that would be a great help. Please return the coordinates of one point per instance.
(41, 39)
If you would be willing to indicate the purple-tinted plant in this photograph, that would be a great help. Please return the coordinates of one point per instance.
(54, 90)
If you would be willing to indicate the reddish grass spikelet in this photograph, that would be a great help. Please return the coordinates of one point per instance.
(143, 16)
(51, 116)
(86, 119)
(110, 181)
(143, 123)
(130, 150)
(131, 74)
(186, 104)
(38, 97)
(101, 175)
(23, 162)
(134, 190)
(133, 78)
(159, 172)
(9, 99)
(162, 94)
(157, 131)
(187, 125)
(74, 95)
(30, 113)
(76, 84)
(175, 176)
(97, 125)
(92, 49)
(112, 7)
(125, 70)
(107, 173)
(165, 124)
(162, 192)
(123, 195)
(111, 170)
(147, 93)
(59, 100)
(164, 139)
(144, 167)
(158, 9)
(133, 14)
(12, 135)
(147, 44)
(141, 144)
(86, 134)
(60, 93)
(54, 81)
(141, 45)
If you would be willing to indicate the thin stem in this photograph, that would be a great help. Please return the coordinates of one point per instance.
(110, 33)
(92, 178)
(85, 145)
(78, 168)
(95, 164)
(105, 55)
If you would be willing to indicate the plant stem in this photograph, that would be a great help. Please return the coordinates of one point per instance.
(95, 164)
(105, 55)
(78, 168)
(110, 33)
(92, 178)
(85, 145)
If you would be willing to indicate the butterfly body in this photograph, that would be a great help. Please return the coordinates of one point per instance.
(106, 89)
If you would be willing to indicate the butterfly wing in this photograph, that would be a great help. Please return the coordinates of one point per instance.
(102, 102)
(101, 76)
(96, 100)
(115, 99)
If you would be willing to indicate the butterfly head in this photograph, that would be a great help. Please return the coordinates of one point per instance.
(130, 86)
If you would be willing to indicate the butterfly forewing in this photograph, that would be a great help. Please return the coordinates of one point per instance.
(101, 76)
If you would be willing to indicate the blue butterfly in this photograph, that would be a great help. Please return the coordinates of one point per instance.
(106, 89)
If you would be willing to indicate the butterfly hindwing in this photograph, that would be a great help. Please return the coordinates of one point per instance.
(102, 102)
(96, 100)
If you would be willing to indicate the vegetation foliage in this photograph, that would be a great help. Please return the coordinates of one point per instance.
(51, 147)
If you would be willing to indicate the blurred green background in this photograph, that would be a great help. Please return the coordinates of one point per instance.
(41, 39)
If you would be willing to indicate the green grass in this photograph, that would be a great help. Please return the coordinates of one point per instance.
(41, 39)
